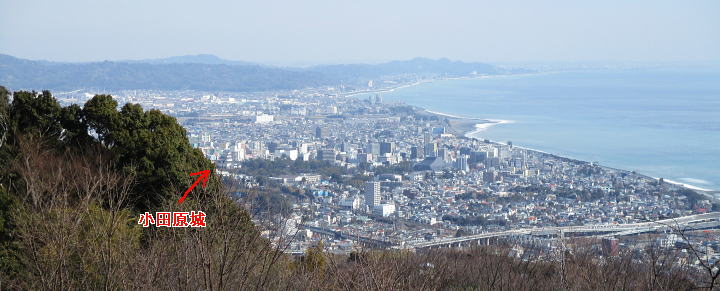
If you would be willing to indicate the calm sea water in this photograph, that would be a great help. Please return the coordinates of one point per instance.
(659, 122)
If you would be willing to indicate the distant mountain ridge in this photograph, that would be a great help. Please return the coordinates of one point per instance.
(191, 59)
(209, 73)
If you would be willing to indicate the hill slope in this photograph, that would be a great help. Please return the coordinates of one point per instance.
(192, 59)
(206, 72)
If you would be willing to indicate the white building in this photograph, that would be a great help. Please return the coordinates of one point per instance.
(238, 151)
(264, 118)
(384, 210)
(372, 194)
(350, 203)
(205, 137)
(290, 153)
(462, 163)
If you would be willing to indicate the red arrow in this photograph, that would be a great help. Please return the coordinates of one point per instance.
(204, 175)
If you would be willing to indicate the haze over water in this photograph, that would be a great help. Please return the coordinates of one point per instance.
(658, 122)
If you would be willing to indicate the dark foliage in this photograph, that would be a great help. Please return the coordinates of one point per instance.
(149, 145)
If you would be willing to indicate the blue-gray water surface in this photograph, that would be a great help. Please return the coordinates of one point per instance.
(659, 122)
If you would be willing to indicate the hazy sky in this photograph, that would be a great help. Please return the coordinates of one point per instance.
(297, 32)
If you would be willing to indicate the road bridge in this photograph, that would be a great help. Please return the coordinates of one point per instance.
(360, 239)
(698, 221)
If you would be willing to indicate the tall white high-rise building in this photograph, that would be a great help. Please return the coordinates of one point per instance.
(372, 194)
(462, 163)
(238, 151)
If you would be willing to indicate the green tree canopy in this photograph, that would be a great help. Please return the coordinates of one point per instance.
(150, 145)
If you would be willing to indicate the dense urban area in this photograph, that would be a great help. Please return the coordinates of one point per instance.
(359, 145)
(352, 170)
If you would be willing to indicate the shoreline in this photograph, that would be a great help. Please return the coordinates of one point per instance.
(468, 126)
(419, 82)
(461, 127)
(686, 185)
(390, 89)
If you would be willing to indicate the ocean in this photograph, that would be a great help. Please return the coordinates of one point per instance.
(658, 122)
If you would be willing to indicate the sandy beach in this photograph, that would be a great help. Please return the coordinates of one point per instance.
(696, 188)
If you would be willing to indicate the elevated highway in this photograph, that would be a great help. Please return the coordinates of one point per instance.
(339, 234)
(698, 221)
